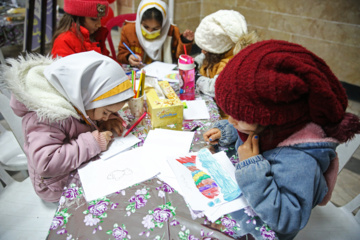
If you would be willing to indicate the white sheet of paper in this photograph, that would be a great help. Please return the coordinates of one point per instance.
(164, 143)
(159, 69)
(214, 213)
(118, 145)
(101, 178)
(195, 199)
(196, 110)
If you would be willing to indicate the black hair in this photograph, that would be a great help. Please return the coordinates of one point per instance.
(153, 13)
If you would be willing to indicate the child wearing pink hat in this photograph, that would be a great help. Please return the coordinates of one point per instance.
(287, 115)
(80, 28)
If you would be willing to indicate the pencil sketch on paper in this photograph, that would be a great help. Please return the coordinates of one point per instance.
(117, 175)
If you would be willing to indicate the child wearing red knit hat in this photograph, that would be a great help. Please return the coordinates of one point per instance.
(287, 115)
(80, 28)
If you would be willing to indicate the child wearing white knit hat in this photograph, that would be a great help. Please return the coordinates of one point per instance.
(220, 36)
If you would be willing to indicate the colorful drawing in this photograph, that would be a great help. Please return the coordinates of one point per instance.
(173, 76)
(229, 188)
(203, 181)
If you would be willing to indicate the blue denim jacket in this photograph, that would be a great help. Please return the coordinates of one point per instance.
(281, 185)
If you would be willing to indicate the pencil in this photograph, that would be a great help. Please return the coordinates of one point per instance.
(133, 80)
(130, 51)
(135, 124)
(142, 75)
(139, 86)
(194, 128)
(140, 91)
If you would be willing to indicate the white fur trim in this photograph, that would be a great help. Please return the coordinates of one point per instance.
(25, 79)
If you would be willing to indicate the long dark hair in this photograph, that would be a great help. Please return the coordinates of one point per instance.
(65, 24)
(152, 13)
(211, 59)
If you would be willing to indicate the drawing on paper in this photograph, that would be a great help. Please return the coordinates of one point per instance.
(203, 181)
(118, 174)
(229, 188)
(210, 178)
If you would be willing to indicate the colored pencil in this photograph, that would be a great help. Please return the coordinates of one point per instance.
(135, 124)
(133, 79)
(130, 51)
(142, 75)
(140, 91)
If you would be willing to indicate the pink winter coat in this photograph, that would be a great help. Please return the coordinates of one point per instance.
(50, 161)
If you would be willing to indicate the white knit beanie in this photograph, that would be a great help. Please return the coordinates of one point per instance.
(219, 31)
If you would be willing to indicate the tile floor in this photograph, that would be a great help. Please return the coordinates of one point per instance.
(347, 186)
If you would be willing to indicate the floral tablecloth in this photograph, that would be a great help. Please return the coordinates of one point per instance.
(148, 210)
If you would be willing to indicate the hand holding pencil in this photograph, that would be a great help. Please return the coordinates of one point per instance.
(134, 59)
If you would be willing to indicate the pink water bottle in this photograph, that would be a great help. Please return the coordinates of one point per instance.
(187, 77)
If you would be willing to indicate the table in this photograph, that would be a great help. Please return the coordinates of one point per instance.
(148, 210)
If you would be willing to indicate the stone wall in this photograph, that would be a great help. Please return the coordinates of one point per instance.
(329, 28)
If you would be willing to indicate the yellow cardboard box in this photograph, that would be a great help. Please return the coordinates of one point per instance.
(165, 113)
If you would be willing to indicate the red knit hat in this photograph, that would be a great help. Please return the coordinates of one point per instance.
(87, 8)
(278, 83)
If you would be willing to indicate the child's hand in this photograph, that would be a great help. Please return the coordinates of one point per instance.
(135, 61)
(212, 136)
(189, 35)
(114, 125)
(107, 135)
(249, 148)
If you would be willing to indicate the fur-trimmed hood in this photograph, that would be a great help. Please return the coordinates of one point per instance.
(33, 92)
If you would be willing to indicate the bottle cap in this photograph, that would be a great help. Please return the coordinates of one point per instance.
(186, 62)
